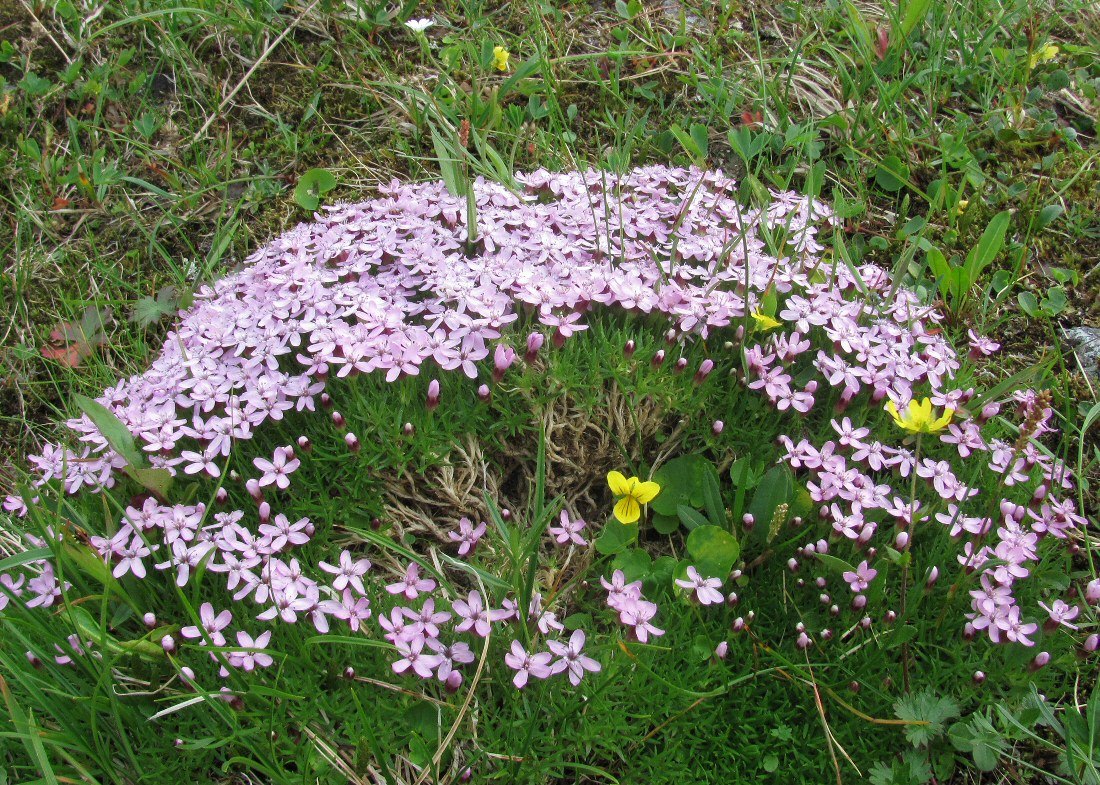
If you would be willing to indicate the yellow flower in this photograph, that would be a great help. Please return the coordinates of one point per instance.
(632, 494)
(765, 322)
(919, 418)
(1044, 55)
(500, 58)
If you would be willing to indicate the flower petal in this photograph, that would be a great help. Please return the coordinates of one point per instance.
(645, 492)
(627, 510)
(618, 484)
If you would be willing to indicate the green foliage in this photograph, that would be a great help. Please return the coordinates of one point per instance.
(926, 715)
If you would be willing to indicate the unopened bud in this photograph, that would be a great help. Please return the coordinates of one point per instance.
(338, 420)
(484, 393)
(150, 620)
(352, 441)
(433, 394)
(658, 358)
(628, 348)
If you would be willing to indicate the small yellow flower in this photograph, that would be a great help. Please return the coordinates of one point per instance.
(500, 58)
(919, 418)
(960, 208)
(765, 322)
(1043, 55)
(632, 494)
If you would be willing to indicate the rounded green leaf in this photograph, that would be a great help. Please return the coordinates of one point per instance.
(713, 551)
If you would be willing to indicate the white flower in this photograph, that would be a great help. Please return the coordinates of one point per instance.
(419, 25)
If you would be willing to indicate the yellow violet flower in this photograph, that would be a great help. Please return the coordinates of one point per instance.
(500, 58)
(765, 322)
(919, 418)
(632, 494)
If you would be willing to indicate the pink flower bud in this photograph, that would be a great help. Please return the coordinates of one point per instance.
(803, 641)
(859, 602)
(890, 617)
(901, 542)
(304, 444)
(826, 634)
(338, 420)
(824, 599)
(811, 386)
(453, 682)
(978, 677)
(834, 610)
(865, 623)
(854, 686)
(32, 658)
(717, 427)
(168, 643)
(326, 400)
(221, 496)
(253, 488)
(721, 650)
(820, 582)
(933, 576)
(534, 343)
(705, 368)
(433, 394)
(732, 599)
(466, 775)
(681, 364)
(349, 673)
(738, 624)
(748, 521)
(1092, 591)
(1040, 493)
(1040, 660)
(658, 358)
(969, 632)
(150, 620)
(351, 441)
(989, 411)
(506, 514)
(792, 564)
(670, 336)
(484, 393)
(408, 429)
(288, 452)
(628, 348)
(503, 357)
(1092, 643)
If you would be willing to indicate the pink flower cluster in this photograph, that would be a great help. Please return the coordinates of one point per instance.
(389, 287)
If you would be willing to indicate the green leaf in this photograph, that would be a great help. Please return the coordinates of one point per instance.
(1048, 215)
(981, 739)
(713, 550)
(311, 186)
(148, 310)
(681, 481)
(1028, 303)
(634, 563)
(712, 496)
(928, 714)
(915, 11)
(835, 564)
(112, 429)
(692, 519)
(1055, 301)
(892, 174)
(989, 245)
(665, 524)
(616, 537)
(775, 488)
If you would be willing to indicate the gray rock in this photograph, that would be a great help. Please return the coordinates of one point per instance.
(1086, 344)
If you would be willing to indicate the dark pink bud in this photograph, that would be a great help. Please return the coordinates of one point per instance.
(484, 393)
(989, 411)
(890, 617)
(453, 682)
(865, 622)
(978, 677)
(265, 512)
(506, 514)
(717, 427)
(338, 420)
(168, 643)
(670, 336)
(681, 364)
(326, 400)
(221, 496)
(534, 343)
(466, 775)
(721, 650)
(253, 488)
(854, 686)
(149, 620)
(352, 441)
(433, 394)
(349, 673)
(32, 658)
(738, 624)
(658, 358)
(1092, 643)
(748, 521)
(826, 634)
(408, 429)
(304, 444)
(969, 632)
(288, 451)
(859, 602)
(628, 348)
(792, 564)
(732, 599)
(803, 641)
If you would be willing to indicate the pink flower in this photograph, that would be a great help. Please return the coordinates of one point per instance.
(349, 572)
(706, 589)
(859, 580)
(525, 665)
(568, 531)
(413, 656)
(412, 584)
(277, 471)
(571, 658)
(212, 625)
